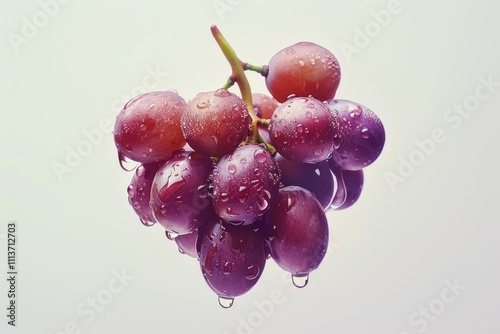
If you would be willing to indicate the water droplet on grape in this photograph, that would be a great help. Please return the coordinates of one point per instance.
(243, 161)
(203, 105)
(243, 194)
(365, 133)
(203, 191)
(300, 128)
(316, 119)
(215, 139)
(137, 205)
(291, 201)
(257, 184)
(300, 281)
(178, 199)
(228, 267)
(171, 235)
(301, 63)
(260, 156)
(336, 142)
(226, 302)
(291, 96)
(224, 197)
(308, 114)
(131, 191)
(171, 90)
(313, 62)
(231, 168)
(252, 272)
(146, 221)
(262, 203)
(231, 212)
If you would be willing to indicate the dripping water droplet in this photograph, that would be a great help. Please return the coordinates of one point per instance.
(300, 281)
(226, 302)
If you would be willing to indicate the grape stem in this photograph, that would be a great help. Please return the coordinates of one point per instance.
(238, 76)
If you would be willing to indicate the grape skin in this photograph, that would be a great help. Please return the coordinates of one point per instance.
(139, 191)
(179, 193)
(215, 123)
(303, 69)
(232, 258)
(245, 183)
(303, 129)
(362, 134)
(147, 129)
(296, 230)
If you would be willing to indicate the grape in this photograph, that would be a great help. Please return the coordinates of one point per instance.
(186, 243)
(147, 129)
(179, 194)
(245, 184)
(263, 105)
(350, 185)
(232, 258)
(303, 129)
(215, 123)
(139, 191)
(362, 135)
(303, 69)
(317, 178)
(296, 230)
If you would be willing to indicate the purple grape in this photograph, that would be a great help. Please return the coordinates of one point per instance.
(179, 194)
(317, 178)
(303, 129)
(245, 183)
(350, 185)
(139, 192)
(361, 135)
(186, 243)
(296, 230)
(232, 258)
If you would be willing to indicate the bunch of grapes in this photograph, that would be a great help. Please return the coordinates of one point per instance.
(237, 180)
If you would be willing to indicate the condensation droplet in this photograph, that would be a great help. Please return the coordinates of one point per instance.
(203, 105)
(260, 155)
(300, 281)
(224, 197)
(365, 133)
(300, 128)
(226, 302)
(171, 235)
(231, 168)
(301, 63)
(131, 191)
(252, 272)
(231, 212)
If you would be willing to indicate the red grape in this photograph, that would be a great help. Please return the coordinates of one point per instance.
(232, 258)
(362, 135)
(179, 194)
(215, 123)
(303, 69)
(245, 183)
(263, 105)
(296, 231)
(303, 129)
(147, 129)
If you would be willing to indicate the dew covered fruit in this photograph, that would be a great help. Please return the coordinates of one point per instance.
(215, 123)
(362, 134)
(147, 129)
(303, 69)
(236, 179)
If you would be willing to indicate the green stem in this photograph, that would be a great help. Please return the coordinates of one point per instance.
(238, 75)
(264, 69)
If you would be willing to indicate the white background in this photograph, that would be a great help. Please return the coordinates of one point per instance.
(393, 255)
